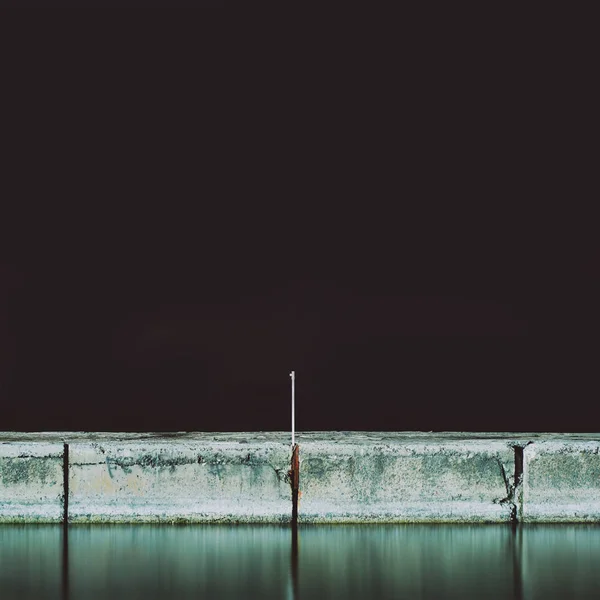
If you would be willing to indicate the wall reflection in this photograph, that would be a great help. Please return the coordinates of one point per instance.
(309, 562)
(30, 561)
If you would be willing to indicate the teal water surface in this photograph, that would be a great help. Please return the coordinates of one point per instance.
(344, 561)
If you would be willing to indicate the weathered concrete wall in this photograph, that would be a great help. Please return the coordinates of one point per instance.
(561, 481)
(391, 478)
(183, 479)
(344, 477)
(31, 482)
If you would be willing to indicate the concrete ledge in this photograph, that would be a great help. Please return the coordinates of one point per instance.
(392, 479)
(351, 477)
(31, 482)
(179, 480)
(561, 481)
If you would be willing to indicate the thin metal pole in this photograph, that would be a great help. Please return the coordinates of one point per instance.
(293, 376)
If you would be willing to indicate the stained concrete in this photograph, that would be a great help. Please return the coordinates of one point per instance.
(344, 477)
(182, 479)
(561, 481)
(31, 481)
(394, 478)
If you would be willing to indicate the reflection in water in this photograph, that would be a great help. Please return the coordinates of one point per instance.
(65, 562)
(516, 554)
(30, 562)
(344, 561)
(294, 561)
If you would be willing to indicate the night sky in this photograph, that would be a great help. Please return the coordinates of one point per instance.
(193, 321)
(386, 254)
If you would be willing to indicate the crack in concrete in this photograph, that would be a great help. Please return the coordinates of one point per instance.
(510, 492)
(514, 497)
(280, 477)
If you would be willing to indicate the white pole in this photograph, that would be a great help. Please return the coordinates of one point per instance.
(293, 376)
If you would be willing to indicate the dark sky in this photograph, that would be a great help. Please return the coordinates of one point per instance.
(192, 321)
(408, 250)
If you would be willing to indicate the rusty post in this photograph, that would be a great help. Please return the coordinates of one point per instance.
(295, 481)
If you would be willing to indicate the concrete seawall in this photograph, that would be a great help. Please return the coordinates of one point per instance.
(357, 477)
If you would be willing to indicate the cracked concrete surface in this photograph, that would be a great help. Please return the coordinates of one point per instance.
(187, 479)
(344, 477)
(399, 480)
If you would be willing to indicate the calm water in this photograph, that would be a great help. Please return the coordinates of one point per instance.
(405, 561)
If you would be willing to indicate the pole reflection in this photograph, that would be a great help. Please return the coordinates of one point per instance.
(65, 561)
(294, 561)
(516, 551)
